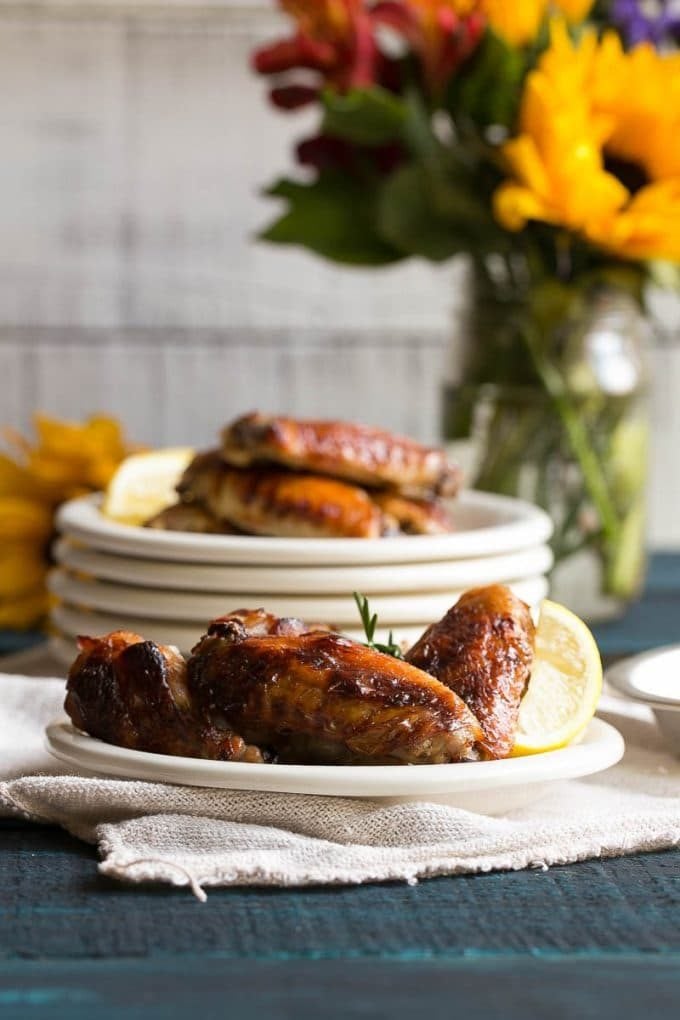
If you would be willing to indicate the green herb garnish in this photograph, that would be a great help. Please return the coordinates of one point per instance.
(370, 622)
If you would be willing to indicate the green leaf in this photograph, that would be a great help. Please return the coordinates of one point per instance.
(369, 622)
(409, 221)
(433, 211)
(365, 116)
(490, 91)
(334, 216)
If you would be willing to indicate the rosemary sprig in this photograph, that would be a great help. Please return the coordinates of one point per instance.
(369, 622)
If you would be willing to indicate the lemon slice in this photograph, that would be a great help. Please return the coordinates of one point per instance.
(565, 684)
(144, 484)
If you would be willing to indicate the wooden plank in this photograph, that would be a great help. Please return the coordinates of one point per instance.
(510, 988)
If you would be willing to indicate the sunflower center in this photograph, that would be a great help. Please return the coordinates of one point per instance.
(632, 175)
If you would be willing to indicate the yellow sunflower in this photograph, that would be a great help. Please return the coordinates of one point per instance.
(599, 146)
(519, 22)
(67, 460)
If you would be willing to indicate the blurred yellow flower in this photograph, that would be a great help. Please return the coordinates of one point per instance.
(519, 22)
(599, 146)
(67, 460)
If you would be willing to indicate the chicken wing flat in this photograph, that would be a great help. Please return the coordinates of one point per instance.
(133, 693)
(414, 516)
(318, 697)
(367, 456)
(483, 649)
(284, 504)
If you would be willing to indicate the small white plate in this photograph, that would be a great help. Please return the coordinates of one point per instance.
(335, 610)
(485, 787)
(486, 525)
(653, 679)
(446, 575)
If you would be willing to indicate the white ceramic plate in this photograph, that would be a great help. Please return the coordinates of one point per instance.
(193, 607)
(487, 787)
(653, 679)
(487, 525)
(288, 580)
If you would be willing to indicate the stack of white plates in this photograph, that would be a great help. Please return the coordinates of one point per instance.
(168, 585)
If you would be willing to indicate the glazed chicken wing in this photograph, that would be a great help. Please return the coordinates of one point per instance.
(133, 693)
(414, 516)
(284, 504)
(318, 697)
(360, 454)
(188, 517)
(483, 649)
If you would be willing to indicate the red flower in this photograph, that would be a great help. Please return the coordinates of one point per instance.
(334, 38)
(436, 31)
(325, 152)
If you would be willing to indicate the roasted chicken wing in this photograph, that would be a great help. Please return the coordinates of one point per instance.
(260, 688)
(189, 517)
(318, 697)
(284, 504)
(483, 649)
(367, 456)
(414, 516)
(133, 693)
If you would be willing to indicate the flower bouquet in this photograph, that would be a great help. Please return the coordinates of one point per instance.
(541, 140)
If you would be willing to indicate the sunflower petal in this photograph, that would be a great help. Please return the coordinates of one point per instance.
(25, 612)
(24, 519)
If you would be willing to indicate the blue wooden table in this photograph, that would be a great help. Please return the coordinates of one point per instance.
(597, 939)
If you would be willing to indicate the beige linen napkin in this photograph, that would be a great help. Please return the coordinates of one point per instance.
(201, 837)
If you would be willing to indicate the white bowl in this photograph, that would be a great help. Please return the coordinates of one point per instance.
(486, 525)
(444, 575)
(195, 607)
(653, 679)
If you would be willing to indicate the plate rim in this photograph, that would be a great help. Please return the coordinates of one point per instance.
(80, 518)
(619, 676)
(600, 747)
(393, 608)
(292, 580)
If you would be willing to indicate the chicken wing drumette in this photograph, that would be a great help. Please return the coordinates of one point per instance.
(133, 693)
(483, 649)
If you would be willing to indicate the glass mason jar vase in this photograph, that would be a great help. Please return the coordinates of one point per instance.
(552, 405)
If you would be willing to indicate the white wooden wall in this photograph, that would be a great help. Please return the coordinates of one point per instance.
(133, 141)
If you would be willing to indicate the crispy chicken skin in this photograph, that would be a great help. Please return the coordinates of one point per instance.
(483, 649)
(260, 623)
(367, 456)
(133, 693)
(319, 697)
(284, 504)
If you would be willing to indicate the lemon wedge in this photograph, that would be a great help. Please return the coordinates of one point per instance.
(144, 484)
(565, 684)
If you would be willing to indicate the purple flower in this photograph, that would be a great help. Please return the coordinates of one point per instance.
(655, 21)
